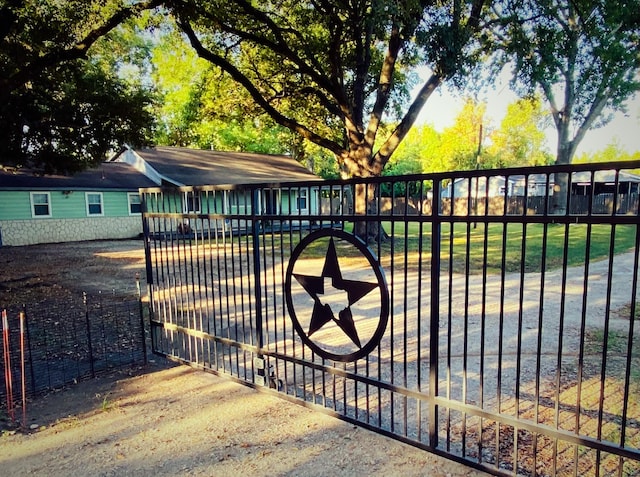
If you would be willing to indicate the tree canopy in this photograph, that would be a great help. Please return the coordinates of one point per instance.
(335, 72)
(473, 141)
(581, 55)
(200, 106)
(65, 106)
(520, 140)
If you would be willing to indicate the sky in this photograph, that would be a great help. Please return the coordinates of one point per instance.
(443, 106)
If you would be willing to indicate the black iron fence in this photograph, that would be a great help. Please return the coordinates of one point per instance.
(55, 343)
(487, 316)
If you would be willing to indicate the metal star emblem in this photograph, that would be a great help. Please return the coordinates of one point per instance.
(333, 296)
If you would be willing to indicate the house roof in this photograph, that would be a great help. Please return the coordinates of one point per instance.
(182, 166)
(108, 176)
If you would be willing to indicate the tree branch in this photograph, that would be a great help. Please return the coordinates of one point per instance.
(391, 144)
(246, 83)
(279, 44)
(385, 83)
(77, 50)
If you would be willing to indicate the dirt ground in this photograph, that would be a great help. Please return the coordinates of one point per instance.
(172, 420)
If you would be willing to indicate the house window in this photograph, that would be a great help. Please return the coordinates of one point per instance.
(40, 204)
(302, 199)
(192, 202)
(135, 206)
(94, 203)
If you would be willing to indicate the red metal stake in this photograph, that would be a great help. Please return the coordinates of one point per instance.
(6, 342)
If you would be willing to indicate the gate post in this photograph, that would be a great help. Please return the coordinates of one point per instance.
(434, 326)
(146, 237)
(259, 375)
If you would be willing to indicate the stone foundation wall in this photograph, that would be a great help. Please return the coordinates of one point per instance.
(29, 232)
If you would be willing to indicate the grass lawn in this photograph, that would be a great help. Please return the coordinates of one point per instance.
(504, 245)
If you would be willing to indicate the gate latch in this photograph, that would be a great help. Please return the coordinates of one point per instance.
(259, 364)
(263, 378)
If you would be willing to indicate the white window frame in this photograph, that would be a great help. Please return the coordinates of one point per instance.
(86, 198)
(196, 198)
(132, 195)
(33, 205)
(303, 194)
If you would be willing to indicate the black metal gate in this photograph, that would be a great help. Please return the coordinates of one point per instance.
(492, 319)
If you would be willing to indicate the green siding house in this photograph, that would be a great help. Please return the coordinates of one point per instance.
(103, 203)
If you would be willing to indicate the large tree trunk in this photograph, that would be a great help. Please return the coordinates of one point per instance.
(366, 203)
(564, 155)
(366, 196)
(560, 199)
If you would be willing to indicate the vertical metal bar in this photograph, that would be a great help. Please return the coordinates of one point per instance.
(277, 199)
(250, 277)
(205, 324)
(503, 258)
(45, 346)
(198, 301)
(218, 322)
(344, 391)
(465, 326)
(283, 316)
(419, 313)
(405, 303)
(247, 328)
(193, 277)
(630, 342)
(239, 336)
(183, 264)
(583, 326)
(379, 353)
(449, 376)
(483, 314)
(434, 326)
(605, 344)
(543, 266)
(156, 304)
(31, 370)
(255, 234)
(146, 234)
(219, 315)
(187, 268)
(558, 380)
(392, 351)
(75, 357)
(523, 252)
(143, 340)
(89, 339)
(173, 272)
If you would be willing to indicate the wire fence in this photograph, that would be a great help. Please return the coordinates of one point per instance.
(52, 344)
